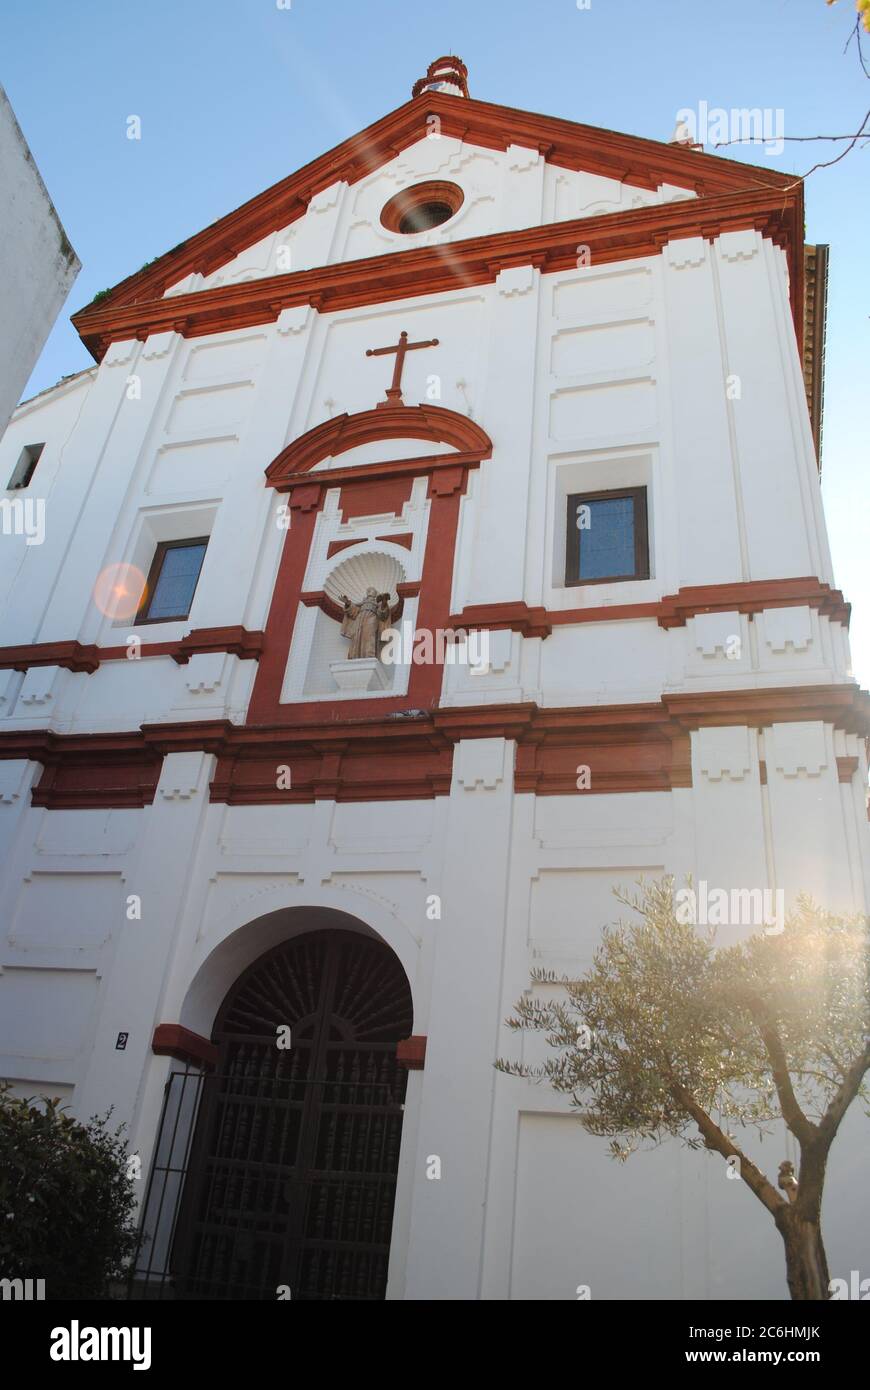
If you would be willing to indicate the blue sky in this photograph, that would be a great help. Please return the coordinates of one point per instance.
(235, 94)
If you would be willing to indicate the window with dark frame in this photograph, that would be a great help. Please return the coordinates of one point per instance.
(172, 580)
(25, 467)
(608, 538)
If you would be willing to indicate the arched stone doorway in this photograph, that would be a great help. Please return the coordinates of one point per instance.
(292, 1173)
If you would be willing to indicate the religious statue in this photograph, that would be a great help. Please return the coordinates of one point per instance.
(365, 623)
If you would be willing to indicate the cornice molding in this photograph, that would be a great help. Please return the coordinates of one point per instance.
(673, 610)
(628, 747)
(71, 655)
(752, 596)
(77, 656)
(629, 159)
(775, 213)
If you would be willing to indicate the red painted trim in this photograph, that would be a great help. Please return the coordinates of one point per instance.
(610, 237)
(845, 706)
(630, 747)
(391, 481)
(93, 770)
(627, 158)
(424, 687)
(398, 474)
(518, 617)
(318, 598)
(751, 596)
(344, 432)
(172, 1040)
(266, 694)
(406, 539)
(447, 69)
(237, 641)
(74, 656)
(205, 735)
(408, 200)
(411, 1052)
(335, 546)
(846, 768)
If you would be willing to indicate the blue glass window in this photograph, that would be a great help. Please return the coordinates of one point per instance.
(607, 536)
(173, 580)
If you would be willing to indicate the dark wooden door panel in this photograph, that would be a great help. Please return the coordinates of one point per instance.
(293, 1170)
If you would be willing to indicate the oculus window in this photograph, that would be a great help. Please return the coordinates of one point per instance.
(608, 537)
(422, 207)
(172, 582)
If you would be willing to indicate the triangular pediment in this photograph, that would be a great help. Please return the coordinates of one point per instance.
(582, 172)
(345, 223)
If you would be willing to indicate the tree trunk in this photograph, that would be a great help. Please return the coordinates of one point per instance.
(806, 1264)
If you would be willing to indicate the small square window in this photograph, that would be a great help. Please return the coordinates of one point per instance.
(172, 581)
(26, 466)
(607, 536)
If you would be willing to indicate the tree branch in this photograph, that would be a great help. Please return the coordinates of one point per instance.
(802, 1128)
(714, 1138)
(827, 163)
(856, 34)
(861, 133)
(830, 1121)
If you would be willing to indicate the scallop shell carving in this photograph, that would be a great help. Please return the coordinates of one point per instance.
(354, 575)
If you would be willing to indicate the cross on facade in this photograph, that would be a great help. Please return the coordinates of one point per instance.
(394, 391)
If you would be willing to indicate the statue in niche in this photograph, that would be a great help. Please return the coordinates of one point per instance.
(365, 623)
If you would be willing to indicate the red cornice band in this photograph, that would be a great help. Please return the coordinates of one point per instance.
(629, 747)
(421, 271)
(751, 596)
(76, 656)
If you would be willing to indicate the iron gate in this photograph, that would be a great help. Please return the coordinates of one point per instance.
(290, 1178)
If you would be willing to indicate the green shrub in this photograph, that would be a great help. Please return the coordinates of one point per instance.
(66, 1202)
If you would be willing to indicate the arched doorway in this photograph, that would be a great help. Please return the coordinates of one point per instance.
(292, 1176)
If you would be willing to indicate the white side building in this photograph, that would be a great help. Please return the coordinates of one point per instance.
(37, 263)
(208, 837)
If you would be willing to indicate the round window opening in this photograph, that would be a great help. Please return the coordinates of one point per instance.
(421, 208)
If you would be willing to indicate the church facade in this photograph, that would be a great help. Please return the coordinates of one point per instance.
(435, 546)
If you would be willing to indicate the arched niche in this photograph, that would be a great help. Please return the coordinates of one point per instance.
(342, 433)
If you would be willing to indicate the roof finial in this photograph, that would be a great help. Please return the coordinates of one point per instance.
(446, 74)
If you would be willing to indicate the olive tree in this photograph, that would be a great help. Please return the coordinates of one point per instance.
(666, 1030)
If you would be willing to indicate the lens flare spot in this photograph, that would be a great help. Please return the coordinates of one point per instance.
(118, 591)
